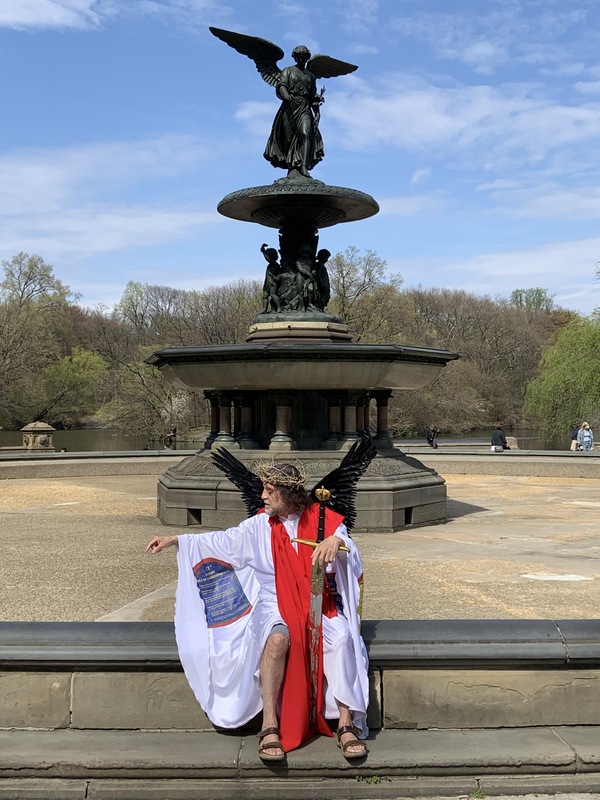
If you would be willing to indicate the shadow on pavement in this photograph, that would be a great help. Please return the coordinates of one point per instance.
(456, 508)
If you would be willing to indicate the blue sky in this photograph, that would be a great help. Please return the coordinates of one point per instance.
(474, 123)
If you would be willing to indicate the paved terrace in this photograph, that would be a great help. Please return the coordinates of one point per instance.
(515, 546)
(73, 539)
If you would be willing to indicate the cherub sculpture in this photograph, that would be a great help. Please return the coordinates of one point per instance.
(295, 142)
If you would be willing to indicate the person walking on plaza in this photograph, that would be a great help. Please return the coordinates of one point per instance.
(585, 437)
(574, 433)
(431, 435)
(243, 607)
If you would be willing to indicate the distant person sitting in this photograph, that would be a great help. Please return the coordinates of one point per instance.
(574, 433)
(431, 436)
(499, 442)
(585, 437)
(169, 440)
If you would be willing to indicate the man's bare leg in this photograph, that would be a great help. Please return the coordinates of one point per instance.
(272, 670)
(346, 719)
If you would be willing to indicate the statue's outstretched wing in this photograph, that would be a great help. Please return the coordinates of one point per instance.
(265, 54)
(326, 67)
(249, 484)
(342, 481)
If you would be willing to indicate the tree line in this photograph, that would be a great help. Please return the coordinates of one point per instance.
(524, 361)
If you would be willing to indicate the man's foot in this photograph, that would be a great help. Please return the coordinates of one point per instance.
(270, 747)
(347, 740)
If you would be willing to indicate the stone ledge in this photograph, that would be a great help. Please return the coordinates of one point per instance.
(572, 643)
(274, 788)
(528, 463)
(153, 766)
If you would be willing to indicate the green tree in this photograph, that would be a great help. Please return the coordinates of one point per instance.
(365, 296)
(567, 388)
(145, 403)
(68, 388)
(36, 328)
(535, 299)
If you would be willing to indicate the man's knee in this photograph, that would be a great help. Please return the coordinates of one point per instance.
(278, 643)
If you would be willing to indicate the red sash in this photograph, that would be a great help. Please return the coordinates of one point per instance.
(292, 581)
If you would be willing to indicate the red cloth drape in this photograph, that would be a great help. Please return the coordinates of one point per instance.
(292, 581)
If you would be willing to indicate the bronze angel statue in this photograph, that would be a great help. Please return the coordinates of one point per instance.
(295, 142)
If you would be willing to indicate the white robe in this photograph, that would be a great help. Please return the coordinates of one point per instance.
(221, 637)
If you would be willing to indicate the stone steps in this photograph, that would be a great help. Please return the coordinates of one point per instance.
(156, 765)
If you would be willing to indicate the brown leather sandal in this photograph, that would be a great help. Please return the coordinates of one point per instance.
(348, 755)
(271, 746)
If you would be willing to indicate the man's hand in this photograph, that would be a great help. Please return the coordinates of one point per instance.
(161, 543)
(326, 551)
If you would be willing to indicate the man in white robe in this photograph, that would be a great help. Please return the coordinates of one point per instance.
(233, 621)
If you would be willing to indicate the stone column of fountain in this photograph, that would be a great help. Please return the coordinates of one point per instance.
(301, 387)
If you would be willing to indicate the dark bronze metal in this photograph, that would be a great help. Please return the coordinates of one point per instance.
(295, 142)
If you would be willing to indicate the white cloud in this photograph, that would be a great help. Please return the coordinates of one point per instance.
(52, 13)
(46, 14)
(420, 175)
(36, 180)
(548, 200)
(257, 117)
(189, 13)
(587, 87)
(68, 201)
(410, 205)
(554, 261)
(85, 232)
(486, 127)
(508, 32)
(359, 17)
(564, 268)
(540, 198)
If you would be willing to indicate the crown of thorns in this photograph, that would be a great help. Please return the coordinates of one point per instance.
(292, 476)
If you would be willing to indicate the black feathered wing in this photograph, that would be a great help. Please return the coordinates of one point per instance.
(265, 54)
(341, 482)
(249, 484)
(327, 67)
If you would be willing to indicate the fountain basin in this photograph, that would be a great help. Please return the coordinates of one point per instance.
(277, 366)
(299, 201)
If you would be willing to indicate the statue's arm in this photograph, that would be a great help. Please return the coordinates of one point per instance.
(283, 89)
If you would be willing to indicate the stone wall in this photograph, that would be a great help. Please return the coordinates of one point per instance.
(424, 674)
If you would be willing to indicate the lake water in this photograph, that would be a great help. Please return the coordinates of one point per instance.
(90, 439)
(77, 441)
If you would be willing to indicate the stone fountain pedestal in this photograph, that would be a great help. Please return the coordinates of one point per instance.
(397, 491)
(299, 388)
(282, 401)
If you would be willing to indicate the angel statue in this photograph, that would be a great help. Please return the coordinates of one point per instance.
(295, 142)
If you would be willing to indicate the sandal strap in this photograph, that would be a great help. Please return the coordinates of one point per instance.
(347, 729)
(355, 743)
(272, 746)
(268, 732)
